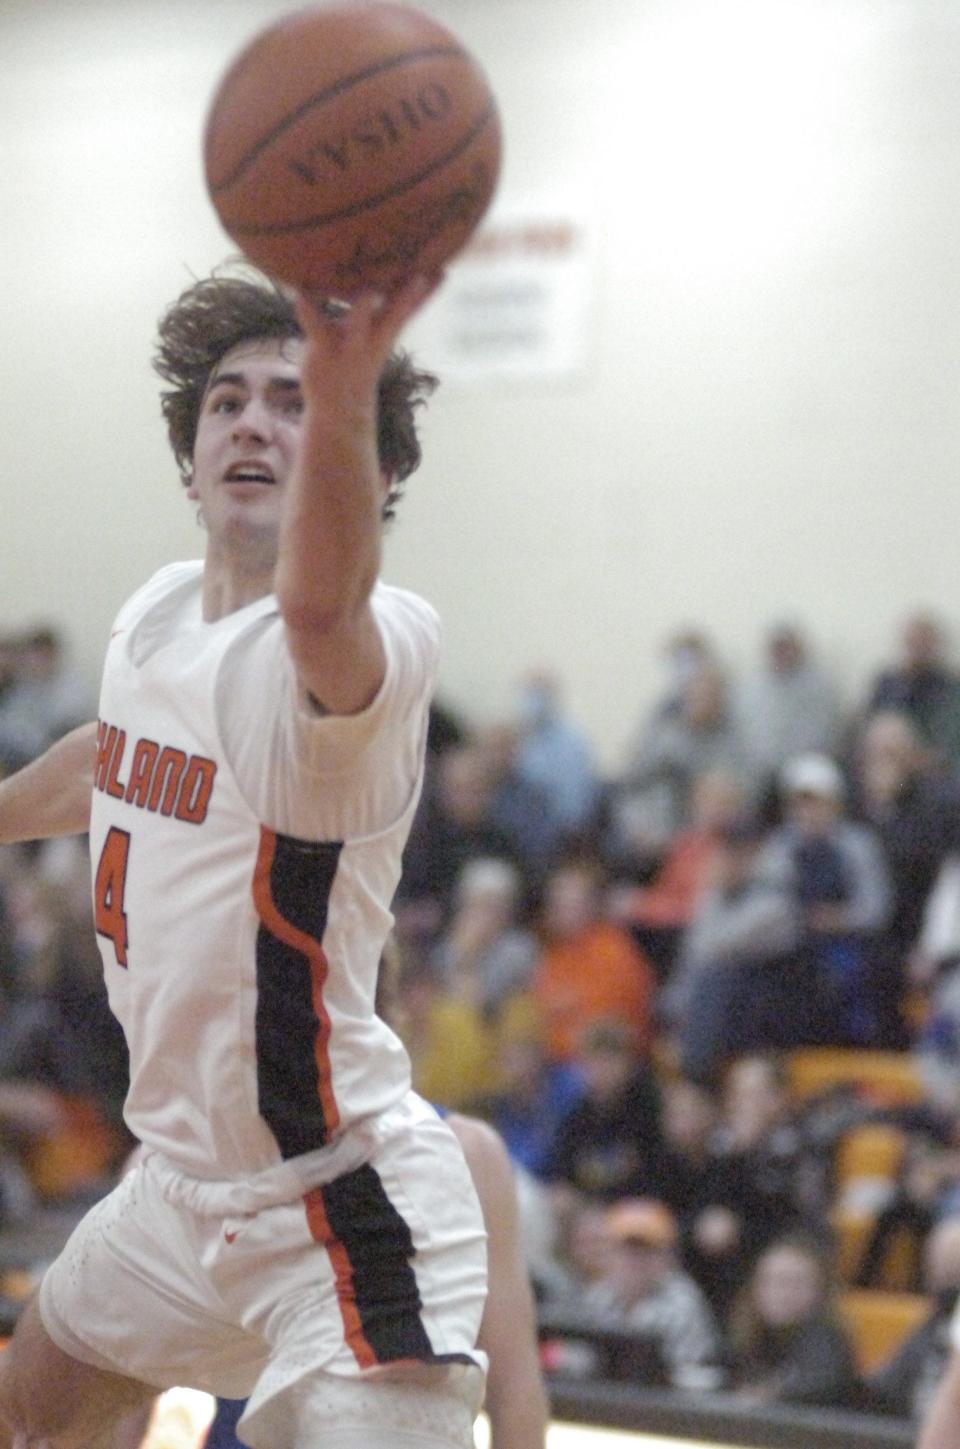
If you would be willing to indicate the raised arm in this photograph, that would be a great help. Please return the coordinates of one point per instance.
(329, 554)
(516, 1400)
(51, 796)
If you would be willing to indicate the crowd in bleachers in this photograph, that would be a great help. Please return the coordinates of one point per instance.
(620, 972)
(616, 972)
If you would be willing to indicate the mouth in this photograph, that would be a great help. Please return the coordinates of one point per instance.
(250, 472)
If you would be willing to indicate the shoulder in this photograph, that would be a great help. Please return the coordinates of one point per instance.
(493, 1175)
(164, 582)
(482, 1145)
(170, 577)
(683, 1292)
(402, 613)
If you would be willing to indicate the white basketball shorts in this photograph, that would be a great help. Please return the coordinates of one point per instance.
(379, 1273)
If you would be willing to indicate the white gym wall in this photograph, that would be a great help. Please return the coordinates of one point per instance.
(764, 417)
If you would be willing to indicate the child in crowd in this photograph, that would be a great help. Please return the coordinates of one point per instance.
(609, 1145)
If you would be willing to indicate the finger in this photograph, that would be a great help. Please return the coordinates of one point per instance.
(316, 311)
(409, 297)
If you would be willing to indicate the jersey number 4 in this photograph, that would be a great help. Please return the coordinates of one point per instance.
(108, 888)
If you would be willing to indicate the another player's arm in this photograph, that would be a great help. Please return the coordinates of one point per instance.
(51, 796)
(330, 532)
(941, 1429)
(516, 1400)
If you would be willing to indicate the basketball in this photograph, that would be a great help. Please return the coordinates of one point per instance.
(351, 145)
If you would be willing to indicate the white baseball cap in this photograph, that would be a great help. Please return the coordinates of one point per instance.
(812, 775)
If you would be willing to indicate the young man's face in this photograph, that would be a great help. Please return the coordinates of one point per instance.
(247, 437)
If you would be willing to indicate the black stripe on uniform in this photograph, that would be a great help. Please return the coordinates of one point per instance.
(378, 1243)
(287, 1028)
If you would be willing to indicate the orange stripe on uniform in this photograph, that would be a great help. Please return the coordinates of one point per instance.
(321, 1232)
(311, 948)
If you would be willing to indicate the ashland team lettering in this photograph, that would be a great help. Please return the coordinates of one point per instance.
(158, 777)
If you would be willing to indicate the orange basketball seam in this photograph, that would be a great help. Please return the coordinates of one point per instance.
(288, 228)
(321, 97)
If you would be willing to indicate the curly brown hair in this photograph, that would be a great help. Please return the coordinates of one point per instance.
(217, 313)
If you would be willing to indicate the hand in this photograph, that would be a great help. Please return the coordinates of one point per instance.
(349, 343)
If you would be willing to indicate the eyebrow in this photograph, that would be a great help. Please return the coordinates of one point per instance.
(239, 379)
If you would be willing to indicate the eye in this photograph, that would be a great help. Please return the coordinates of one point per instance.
(225, 404)
(292, 406)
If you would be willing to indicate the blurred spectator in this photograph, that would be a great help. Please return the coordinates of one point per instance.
(456, 1047)
(452, 825)
(589, 968)
(683, 654)
(41, 696)
(927, 1190)
(904, 1386)
(484, 955)
(936, 1050)
(916, 813)
(11, 752)
(788, 1344)
(657, 914)
(935, 969)
(839, 877)
(461, 1009)
(553, 755)
(518, 807)
(652, 799)
(787, 707)
(937, 950)
(534, 1097)
(647, 1296)
(48, 1063)
(58, 1037)
(922, 685)
(609, 1144)
(743, 981)
(582, 1254)
(445, 728)
(719, 1211)
(780, 1167)
(63, 968)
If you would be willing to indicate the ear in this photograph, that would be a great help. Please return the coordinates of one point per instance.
(192, 490)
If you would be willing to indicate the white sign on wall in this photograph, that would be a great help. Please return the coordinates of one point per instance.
(516, 304)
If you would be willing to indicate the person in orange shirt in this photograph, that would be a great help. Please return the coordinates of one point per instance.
(590, 968)
(657, 914)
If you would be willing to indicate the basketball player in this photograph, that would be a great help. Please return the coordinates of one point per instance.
(301, 1229)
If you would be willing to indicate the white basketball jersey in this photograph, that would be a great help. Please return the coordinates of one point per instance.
(245, 854)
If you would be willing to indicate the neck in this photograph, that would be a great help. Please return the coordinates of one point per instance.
(233, 579)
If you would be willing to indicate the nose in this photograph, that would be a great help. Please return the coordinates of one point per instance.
(254, 423)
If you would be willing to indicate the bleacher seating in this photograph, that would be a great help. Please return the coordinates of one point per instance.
(879, 1321)
(884, 1078)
